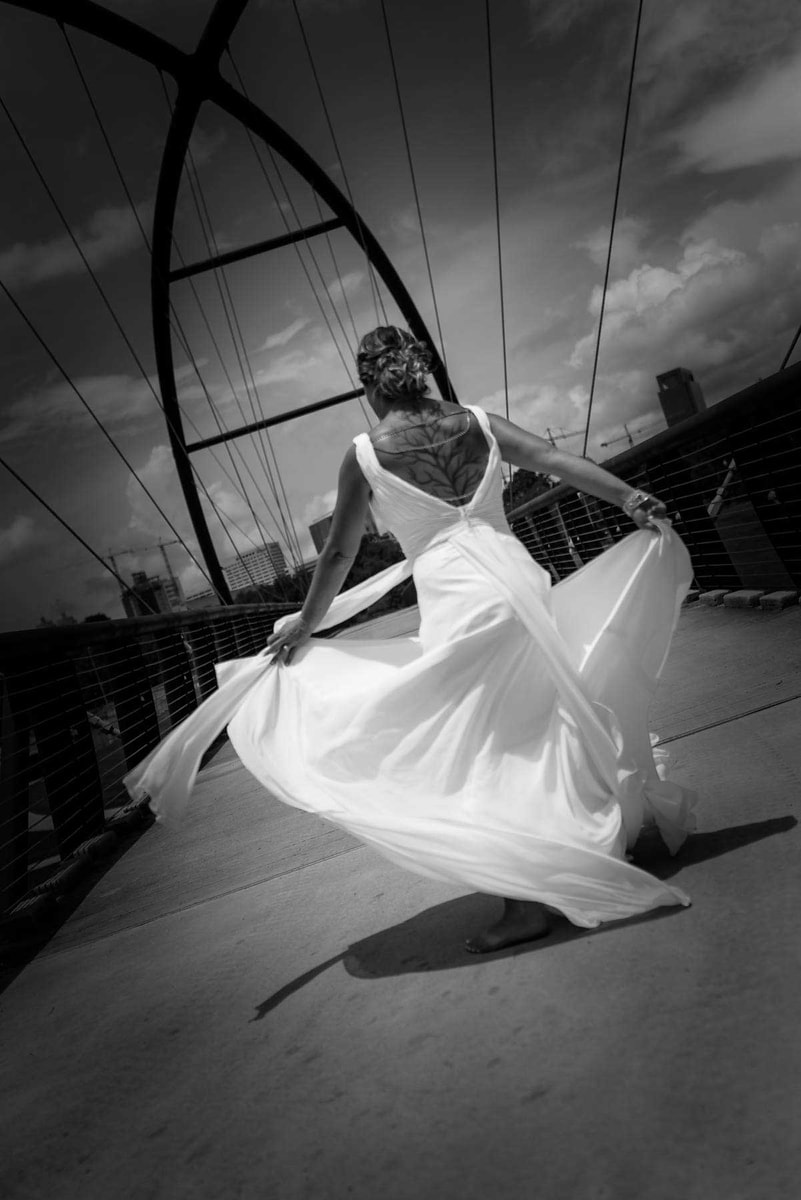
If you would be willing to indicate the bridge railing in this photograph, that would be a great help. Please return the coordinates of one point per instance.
(731, 480)
(82, 704)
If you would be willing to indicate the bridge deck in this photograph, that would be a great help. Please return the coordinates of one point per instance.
(258, 1006)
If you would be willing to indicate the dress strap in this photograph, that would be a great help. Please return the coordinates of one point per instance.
(365, 455)
(483, 420)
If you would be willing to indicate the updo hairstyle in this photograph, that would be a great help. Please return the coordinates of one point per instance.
(394, 362)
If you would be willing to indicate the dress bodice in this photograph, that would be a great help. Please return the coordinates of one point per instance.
(419, 520)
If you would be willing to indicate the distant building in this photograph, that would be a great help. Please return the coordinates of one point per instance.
(207, 599)
(174, 593)
(149, 595)
(262, 565)
(679, 394)
(319, 530)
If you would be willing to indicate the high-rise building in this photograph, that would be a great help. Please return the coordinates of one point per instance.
(680, 395)
(149, 595)
(262, 565)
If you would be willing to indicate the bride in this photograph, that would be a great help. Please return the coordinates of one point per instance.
(506, 746)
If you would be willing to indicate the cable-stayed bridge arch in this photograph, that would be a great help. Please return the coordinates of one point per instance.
(198, 80)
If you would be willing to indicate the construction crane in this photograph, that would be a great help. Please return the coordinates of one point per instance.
(628, 435)
(553, 438)
(144, 550)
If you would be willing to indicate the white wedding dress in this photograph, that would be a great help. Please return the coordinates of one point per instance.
(506, 747)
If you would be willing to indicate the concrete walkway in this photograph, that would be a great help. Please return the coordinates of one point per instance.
(258, 1007)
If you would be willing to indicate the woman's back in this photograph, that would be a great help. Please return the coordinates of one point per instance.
(444, 454)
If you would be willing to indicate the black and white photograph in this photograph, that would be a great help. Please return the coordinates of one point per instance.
(400, 643)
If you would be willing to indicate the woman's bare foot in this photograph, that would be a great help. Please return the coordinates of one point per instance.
(522, 921)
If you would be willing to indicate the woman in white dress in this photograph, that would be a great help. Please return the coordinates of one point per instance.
(506, 746)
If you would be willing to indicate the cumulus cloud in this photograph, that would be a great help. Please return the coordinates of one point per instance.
(541, 406)
(627, 246)
(716, 304)
(108, 234)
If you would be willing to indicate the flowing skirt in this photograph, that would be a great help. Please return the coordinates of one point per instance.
(506, 746)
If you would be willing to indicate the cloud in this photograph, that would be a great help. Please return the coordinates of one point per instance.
(723, 312)
(627, 246)
(759, 122)
(203, 144)
(345, 284)
(541, 406)
(119, 401)
(109, 234)
(555, 18)
(690, 48)
(296, 365)
(284, 335)
(16, 539)
(317, 507)
(146, 526)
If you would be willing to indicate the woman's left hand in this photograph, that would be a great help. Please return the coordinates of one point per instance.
(642, 517)
(282, 646)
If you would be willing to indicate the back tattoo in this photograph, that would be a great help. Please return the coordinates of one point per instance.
(446, 457)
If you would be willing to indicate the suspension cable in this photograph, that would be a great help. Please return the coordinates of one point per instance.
(184, 341)
(197, 195)
(414, 186)
(32, 490)
(240, 489)
(337, 272)
(71, 384)
(243, 359)
(224, 294)
(377, 299)
(109, 307)
(612, 226)
(146, 240)
(309, 250)
(498, 222)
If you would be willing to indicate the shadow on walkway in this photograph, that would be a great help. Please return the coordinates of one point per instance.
(433, 940)
(651, 855)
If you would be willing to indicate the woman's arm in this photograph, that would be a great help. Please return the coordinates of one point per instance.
(336, 557)
(524, 449)
(342, 544)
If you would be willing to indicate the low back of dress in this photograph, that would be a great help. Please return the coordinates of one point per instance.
(413, 512)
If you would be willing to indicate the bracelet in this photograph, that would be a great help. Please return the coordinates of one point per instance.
(638, 499)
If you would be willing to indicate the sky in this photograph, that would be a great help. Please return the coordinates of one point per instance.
(704, 273)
